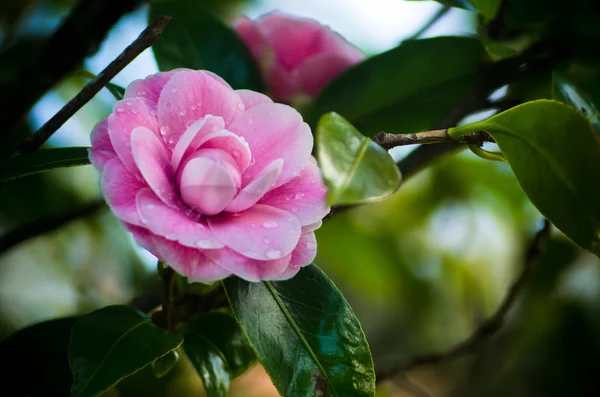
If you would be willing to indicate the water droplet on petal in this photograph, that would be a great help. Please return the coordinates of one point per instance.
(273, 253)
(150, 206)
(141, 92)
(236, 153)
(253, 161)
(294, 209)
(120, 110)
(134, 111)
(174, 89)
(241, 106)
(182, 113)
(270, 225)
(171, 236)
(204, 244)
(193, 107)
(267, 241)
(154, 112)
(288, 197)
(129, 104)
(299, 196)
(164, 129)
(311, 246)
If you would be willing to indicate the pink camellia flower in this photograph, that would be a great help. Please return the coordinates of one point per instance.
(213, 181)
(298, 56)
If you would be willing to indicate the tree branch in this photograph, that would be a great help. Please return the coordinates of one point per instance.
(37, 228)
(432, 21)
(79, 36)
(388, 141)
(489, 327)
(145, 40)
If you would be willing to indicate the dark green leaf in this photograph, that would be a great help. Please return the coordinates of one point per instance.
(355, 169)
(209, 364)
(196, 39)
(163, 365)
(554, 152)
(223, 331)
(34, 361)
(565, 91)
(218, 349)
(111, 343)
(42, 160)
(404, 89)
(305, 335)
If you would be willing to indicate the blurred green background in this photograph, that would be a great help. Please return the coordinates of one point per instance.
(421, 269)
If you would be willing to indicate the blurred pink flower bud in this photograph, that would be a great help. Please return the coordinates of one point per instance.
(211, 180)
(298, 56)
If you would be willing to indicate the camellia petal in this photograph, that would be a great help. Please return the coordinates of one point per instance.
(152, 158)
(173, 224)
(120, 187)
(257, 188)
(304, 196)
(274, 131)
(102, 150)
(250, 269)
(304, 254)
(194, 136)
(261, 232)
(188, 96)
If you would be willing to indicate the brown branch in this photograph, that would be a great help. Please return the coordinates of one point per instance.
(388, 141)
(145, 40)
(37, 228)
(78, 37)
(489, 327)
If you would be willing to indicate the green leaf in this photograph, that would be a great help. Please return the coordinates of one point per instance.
(403, 90)
(42, 160)
(554, 152)
(33, 361)
(305, 335)
(487, 8)
(566, 91)
(218, 349)
(112, 343)
(196, 39)
(355, 169)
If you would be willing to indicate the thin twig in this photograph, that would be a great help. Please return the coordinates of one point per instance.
(145, 40)
(432, 21)
(388, 141)
(489, 327)
(37, 228)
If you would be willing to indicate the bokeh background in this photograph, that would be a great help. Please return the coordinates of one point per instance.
(421, 269)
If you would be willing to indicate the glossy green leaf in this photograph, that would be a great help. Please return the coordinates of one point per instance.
(34, 362)
(554, 152)
(355, 169)
(218, 349)
(42, 160)
(566, 91)
(112, 343)
(196, 39)
(305, 335)
(163, 365)
(403, 90)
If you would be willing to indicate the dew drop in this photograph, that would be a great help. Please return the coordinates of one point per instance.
(288, 197)
(267, 241)
(294, 209)
(164, 129)
(313, 181)
(241, 106)
(236, 153)
(299, 196)
(149, 206)
(204, 244)
(311, 246)
(270, 225)
(253, 161)
(273, 253)
(171, 236)
(134, 111)
(182, 113)
(154, 112)
(128, 143)
(174, 90)
(129, 104)
(120, 110)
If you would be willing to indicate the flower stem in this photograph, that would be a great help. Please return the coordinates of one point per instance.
(169, 288)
